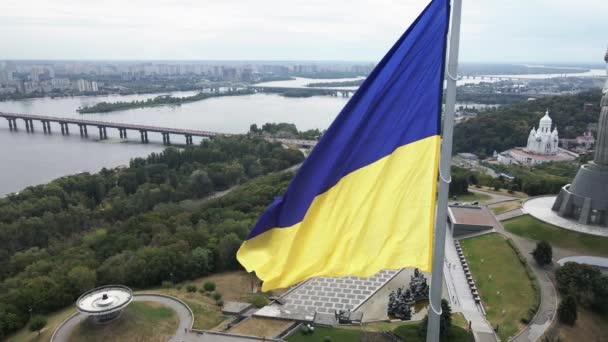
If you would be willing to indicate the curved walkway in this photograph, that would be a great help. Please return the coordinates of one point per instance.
(494, 197)
(186, 319)
(548, 295)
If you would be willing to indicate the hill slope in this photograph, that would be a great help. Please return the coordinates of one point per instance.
(509, 126)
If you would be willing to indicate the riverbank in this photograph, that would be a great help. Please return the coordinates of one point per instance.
(354, 83)
(54, 95)
(105, 107)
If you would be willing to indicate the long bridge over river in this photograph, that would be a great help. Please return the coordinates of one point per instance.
(122, 128)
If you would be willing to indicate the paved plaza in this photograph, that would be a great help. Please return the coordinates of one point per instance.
(326, 295)
(540, 207)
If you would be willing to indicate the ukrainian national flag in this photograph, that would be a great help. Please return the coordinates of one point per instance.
(364, 199)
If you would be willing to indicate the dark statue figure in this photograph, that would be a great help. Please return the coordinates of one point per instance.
(400, 302)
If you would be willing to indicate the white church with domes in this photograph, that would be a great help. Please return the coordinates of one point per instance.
(542, 147)
(543, 141)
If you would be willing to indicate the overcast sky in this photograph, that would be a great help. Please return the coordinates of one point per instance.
(492, 30)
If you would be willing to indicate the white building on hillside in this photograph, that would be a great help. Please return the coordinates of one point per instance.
(542, 147)
(543, 141)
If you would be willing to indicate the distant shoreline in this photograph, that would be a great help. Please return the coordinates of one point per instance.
(161, 100)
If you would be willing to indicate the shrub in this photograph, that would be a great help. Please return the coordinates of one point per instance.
(543, 253)
(219, 302)
(567, 310)
(166, 284)
(258, 300)
(191, 288)
(209, 286)
(202, 290)
(496, 186)
(535, 285)
(216, 295)
(529, 315)
(306, 330)
(327, 339)
(37, 322)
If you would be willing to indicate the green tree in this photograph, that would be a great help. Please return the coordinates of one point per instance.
(10, 320)
(227, 249)
(82, 278)
(202, 261)
(258, 300)
(567, 310)
(577, 280)
(497, 185)
(209, 286)
(200, 183)
(600, 294)
(543, 253)
(37, 323)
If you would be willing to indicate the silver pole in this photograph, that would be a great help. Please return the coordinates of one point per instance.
(432, 334)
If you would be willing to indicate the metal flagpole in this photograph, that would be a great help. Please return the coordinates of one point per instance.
(432, 334)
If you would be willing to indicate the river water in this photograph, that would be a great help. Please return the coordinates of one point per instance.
(29, 159)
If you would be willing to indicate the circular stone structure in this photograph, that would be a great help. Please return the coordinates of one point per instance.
(104, 303)
(540, 208)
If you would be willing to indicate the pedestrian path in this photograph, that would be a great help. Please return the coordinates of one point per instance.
(461, 298)
(184, 314)
(510, 214)
(547, 310)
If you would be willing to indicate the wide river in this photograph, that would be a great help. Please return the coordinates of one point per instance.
(29, 159)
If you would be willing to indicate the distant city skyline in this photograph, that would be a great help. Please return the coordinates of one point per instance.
(538, 31)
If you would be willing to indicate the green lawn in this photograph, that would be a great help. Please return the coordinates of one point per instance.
(141, 321)
(504, 207)
(25, 335)
(470, 197)
(506, 291)
(204, 318)
(336, 335)
(206, 313)
(408, 331)
(532, 228)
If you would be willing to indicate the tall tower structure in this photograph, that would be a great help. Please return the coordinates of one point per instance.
(601, 151)
(586, 199)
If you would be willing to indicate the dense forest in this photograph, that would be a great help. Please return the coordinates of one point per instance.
(104, 107)
(544, 179)
(139, 226)
(509, 126)
(285, 130)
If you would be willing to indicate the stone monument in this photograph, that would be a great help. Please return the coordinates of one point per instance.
(400, 302)
(586, 199)
(104, 303)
